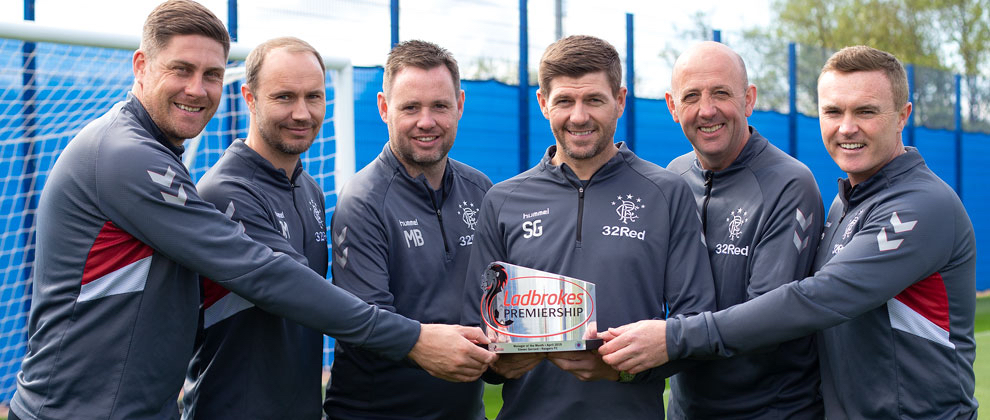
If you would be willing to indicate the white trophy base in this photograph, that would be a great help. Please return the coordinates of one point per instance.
(545, 346)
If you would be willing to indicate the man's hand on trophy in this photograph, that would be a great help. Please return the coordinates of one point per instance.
(635, 347)
(585, 365)
(451, 352)
(514, 365)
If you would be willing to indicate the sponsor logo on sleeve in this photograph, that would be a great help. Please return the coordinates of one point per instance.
(803, 223)
(229, 212)
(339, 250)
(898, 226)
(165, 180)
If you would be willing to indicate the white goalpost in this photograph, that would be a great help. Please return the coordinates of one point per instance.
(342, 84)
(54, 81)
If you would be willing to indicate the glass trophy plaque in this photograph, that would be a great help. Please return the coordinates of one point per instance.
(526, 310)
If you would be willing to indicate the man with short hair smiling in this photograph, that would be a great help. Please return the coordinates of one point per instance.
(249, 363)
(574, 193)
(403, 231)
(761, 213)
(893, 295)
(122, 234)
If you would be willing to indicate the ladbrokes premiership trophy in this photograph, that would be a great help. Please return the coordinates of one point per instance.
(527, 310)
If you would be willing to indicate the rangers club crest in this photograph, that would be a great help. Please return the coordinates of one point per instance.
(627, 206)
(317, 211)
(851, 226)
(736, 221)
(469, 214)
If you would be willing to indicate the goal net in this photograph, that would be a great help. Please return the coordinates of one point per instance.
(52, 83)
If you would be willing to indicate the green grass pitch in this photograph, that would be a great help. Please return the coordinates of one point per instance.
(493, 393)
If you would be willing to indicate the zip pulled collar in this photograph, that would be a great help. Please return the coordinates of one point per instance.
(565, 174)
(275, 175)
(753, 148)
(852, 196)
(388, 157)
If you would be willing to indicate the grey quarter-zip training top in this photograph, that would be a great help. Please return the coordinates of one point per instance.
(249, 363)
(122, 234)
(633, 230)
(404, 247)
(893, 298)
(763, 218)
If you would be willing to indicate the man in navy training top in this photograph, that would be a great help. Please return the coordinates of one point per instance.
(275, 363)
(122, 234)
(893, 294)
(591, 210)
(403, 230)
(762, 215)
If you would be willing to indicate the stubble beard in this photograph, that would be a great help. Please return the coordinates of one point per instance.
(169, 126)
(269, 134)
(424, 163)
(597, 147)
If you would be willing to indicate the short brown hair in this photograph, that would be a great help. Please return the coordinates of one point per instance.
(578, 55)
(863, 58)
(181, 17)
(256, 59)
(422, 55)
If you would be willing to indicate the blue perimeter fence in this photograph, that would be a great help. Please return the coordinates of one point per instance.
(488, 139)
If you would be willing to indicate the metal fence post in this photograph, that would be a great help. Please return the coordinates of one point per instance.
(29, 173)
(394, 19)
(792, 114)
(28, 148)
(28, 81)
(523, 87)
(958, 134)
(234, 88)
(232, 19)
(909, 130)
(630, 84)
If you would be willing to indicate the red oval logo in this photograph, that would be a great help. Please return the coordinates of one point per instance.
(530, 303)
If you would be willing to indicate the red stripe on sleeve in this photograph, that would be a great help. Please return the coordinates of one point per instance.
(212, 292)
(112, 250)
(929, 299)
